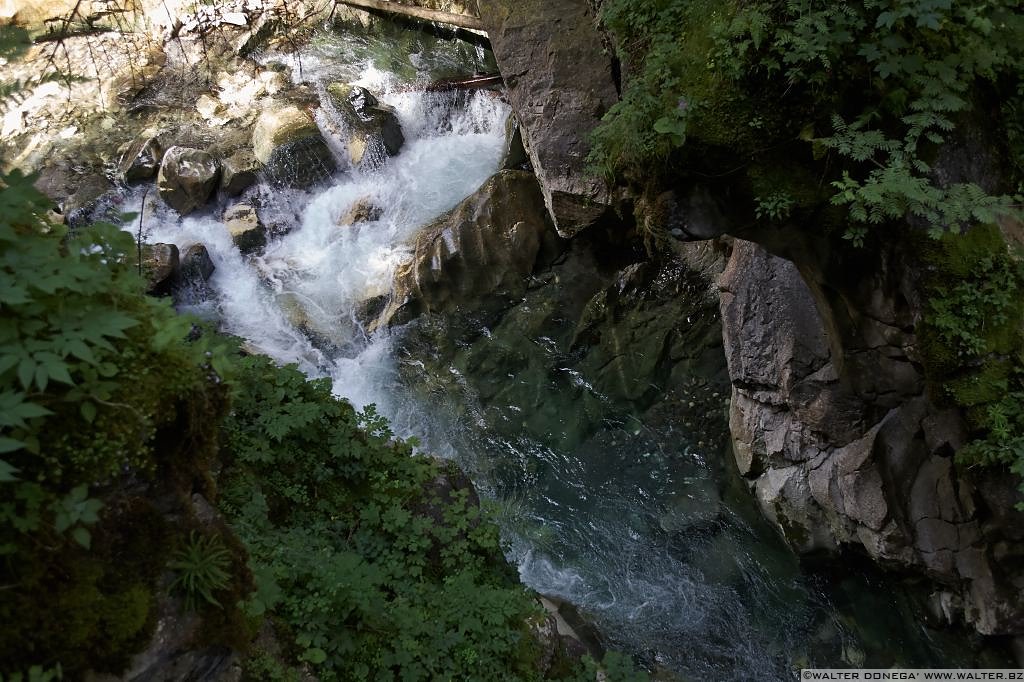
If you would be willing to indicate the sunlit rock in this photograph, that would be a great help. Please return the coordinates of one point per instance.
(160, 268)
(247, 232)
(288, 143)
(239, 172)
(187, 178)
(141, 159)
(372, 128)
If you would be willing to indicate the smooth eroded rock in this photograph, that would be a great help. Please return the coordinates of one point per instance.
(187, 178)
(288, 143)
(487, 245)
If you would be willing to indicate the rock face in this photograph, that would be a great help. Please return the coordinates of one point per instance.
(288, 143)
(187, 178)
(560, 84)
(372, 128)
(486, 246)
(842, 446)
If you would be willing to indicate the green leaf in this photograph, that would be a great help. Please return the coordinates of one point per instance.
(8, 471)
(82, 536)
(88, 410)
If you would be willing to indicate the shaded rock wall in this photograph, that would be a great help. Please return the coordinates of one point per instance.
(560, 84)
(842, 446)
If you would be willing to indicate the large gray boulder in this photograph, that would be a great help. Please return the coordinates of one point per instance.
(287, 141)
(372, 128)
(560, 84)
(187, 178)
(486, 246)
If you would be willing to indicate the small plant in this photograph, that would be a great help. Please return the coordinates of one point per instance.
(774, 207)
(202, 567)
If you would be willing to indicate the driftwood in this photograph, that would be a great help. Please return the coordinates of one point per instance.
(482, 81)
(421, 13)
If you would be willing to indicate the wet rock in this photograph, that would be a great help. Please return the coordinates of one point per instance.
(187, 178)
(80, 207)
(486, 246)
(288, 143)
(363, 211)
(243, 223)
(141, 159)
(160, 268)
(196, 264)
(515, 156)
(373, 129)
(239, 172)
(560, 84)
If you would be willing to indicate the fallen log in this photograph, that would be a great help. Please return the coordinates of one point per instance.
(421, 13)
(482, 81)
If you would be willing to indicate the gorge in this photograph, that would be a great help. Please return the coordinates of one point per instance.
(714, 438)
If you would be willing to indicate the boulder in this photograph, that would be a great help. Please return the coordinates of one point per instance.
(187, 178)
(160, 268)
(486, 246)
(141, 159)
(372, 128)
(363, 211)
(247, 232)
(239, 172)
(196, 264)
(560, 83)
(288, 143)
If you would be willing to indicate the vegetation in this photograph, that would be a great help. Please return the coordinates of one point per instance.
(874, 87)
(365, 560)
(837, 115)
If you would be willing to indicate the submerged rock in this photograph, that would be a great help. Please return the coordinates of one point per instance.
(288, 143)
(187, 178)
(487, 246)
(373, 129)
(363, 211)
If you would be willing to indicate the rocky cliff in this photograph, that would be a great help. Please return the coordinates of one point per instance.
(834, 425)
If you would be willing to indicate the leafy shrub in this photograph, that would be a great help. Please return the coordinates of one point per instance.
(356, 547)
(973, 342)
(97, 386)
(887, 79)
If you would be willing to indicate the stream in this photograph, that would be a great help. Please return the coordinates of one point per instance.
(620, 506)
